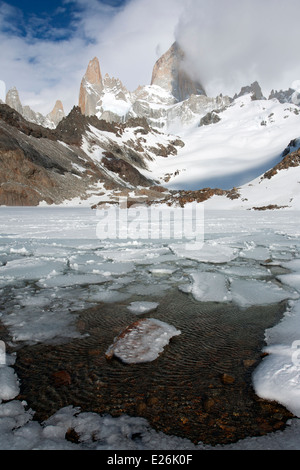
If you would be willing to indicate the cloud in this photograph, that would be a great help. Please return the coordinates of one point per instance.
(127, 40)
(231, 43)
(2, 90)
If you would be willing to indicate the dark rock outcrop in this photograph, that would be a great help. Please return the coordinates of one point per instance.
(254, 89)
(53, 165)
(290, 160)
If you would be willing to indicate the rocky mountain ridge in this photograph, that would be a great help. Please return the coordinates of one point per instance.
(173, 100)
(118, 143)
(50, 121)
(82, 158)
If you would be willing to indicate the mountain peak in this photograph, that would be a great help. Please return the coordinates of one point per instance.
(13, 100)
(93, 73)
(57, 113)
(90, 88)
(170, 73)
(254, 89)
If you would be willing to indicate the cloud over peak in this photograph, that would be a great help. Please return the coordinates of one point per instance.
(232, 43)
(228, 44)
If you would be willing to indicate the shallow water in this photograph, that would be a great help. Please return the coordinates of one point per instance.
(182, 392)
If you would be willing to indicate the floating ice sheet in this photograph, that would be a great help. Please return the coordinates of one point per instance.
(139, 308)
(278, 376)
(72, 279)
(143, 341)
(209, 287)
(247, 292)
(9, 384)
(216, 287)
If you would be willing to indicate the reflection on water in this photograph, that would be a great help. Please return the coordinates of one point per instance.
(199, 388)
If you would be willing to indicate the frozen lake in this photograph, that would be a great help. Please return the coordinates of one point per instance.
(65, 289)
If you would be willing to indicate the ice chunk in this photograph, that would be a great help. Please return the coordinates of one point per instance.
(142, 307)
(142, 341)
(209, 287)
(247, 292)
(259, 253)
(161, 271)
(30, 268)
(72, 279)
(246, 271)
(35, 325)
(210, 252)
(21, 251)
(9, 385)
(292, 280)
(107, 296)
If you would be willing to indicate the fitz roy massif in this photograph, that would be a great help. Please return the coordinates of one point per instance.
(113, 336)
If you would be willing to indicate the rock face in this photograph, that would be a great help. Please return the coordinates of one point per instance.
(50, 121)
(91, 88)
(172, 95)
(57, 113)
(169, 73)
(82, 157)
(286, 96)
(254, 89)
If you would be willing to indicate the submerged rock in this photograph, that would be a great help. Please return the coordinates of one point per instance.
(142, 341)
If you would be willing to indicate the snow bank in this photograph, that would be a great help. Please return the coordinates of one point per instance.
(9, 384)
(43, 250)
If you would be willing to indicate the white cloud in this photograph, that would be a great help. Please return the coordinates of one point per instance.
(126, 41)
(2, 91)
(231, 43)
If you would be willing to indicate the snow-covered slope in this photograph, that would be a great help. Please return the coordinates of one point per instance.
(278, 188)
(247, 141)
(186, 143)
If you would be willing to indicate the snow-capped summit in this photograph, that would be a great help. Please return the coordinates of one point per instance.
(254, 89)
(170, 73)
(57, 113)
(13, 100)
(51, 120)
(91, 88)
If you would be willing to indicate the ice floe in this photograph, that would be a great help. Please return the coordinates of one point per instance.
(141, 307)
(142, 341)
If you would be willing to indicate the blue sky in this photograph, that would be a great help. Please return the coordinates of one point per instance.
(49, 18)
(45, 46)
